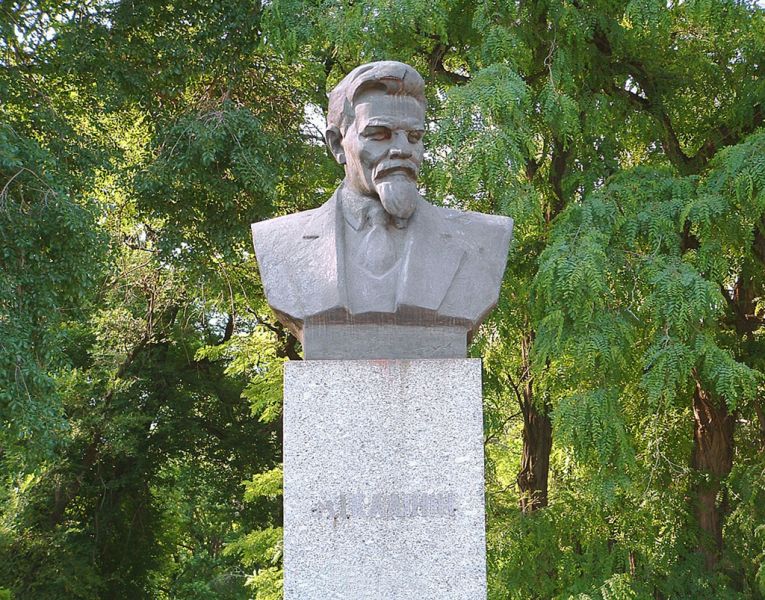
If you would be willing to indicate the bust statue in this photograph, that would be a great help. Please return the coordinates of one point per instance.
(377, 271)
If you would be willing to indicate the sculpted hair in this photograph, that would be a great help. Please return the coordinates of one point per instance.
(387, 76)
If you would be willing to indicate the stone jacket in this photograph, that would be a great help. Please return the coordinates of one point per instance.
(451, 271)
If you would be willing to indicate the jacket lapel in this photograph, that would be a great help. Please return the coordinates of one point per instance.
(321, 257)
(432, 260)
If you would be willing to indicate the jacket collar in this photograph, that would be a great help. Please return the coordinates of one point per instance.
(431, 260)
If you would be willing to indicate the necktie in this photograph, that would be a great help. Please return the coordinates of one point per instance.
(377, 253)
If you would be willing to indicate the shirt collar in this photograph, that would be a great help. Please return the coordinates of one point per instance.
(355, 208)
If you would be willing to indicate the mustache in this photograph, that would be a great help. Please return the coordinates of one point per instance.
(389, 167)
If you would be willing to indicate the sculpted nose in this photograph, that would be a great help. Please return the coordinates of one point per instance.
(401, 147)
(400, 153)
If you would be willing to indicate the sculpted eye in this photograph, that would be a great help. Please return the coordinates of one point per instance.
(415, 135)
(377, 133)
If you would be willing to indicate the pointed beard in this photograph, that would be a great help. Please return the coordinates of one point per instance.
(398, 196)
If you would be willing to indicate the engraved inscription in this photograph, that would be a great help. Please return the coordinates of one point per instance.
(386, 506)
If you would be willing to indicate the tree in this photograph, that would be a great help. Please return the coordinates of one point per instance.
(126, 176)
(140, 364)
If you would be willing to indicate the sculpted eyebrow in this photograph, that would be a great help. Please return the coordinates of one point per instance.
(374, 130)
(408, 124)
(377, 122)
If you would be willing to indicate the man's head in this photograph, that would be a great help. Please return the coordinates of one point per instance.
(375, 124)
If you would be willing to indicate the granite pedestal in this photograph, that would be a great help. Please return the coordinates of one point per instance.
(383, 480)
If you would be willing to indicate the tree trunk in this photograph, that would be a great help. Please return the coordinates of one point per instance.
(537, 442)
(535, 462)
(713, 459)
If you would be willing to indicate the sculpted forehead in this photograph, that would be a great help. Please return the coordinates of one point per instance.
(392, 111)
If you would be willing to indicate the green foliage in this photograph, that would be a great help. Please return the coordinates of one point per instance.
(591, 424)
(140, 369)
(49, 262)
(267, 583)
(268, 484)
(261, 550)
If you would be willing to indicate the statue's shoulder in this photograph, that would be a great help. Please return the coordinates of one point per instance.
(494, 231)
(484, 241)
(280, 234)
(285, 225)
(295, 255)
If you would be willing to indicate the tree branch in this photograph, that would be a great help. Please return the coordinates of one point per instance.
(758, 245)
(436, 64)
(558, 165)
(758, 409)
(722, 136)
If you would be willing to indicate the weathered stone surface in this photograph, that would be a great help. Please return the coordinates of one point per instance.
(377, 253)
(369, 341)
(383, 480)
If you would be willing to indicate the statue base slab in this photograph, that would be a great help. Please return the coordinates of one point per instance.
(374, 341)
(383, 480)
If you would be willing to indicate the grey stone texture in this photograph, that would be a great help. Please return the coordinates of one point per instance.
(383, 480)
(370, 340)
(377, 253)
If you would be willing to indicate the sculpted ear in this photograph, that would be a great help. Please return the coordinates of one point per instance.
(335, 142)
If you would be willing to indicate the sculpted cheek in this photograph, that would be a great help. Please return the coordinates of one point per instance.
(366, 156)
(419, 152)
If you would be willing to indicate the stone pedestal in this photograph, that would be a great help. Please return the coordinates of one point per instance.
(383, 480)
